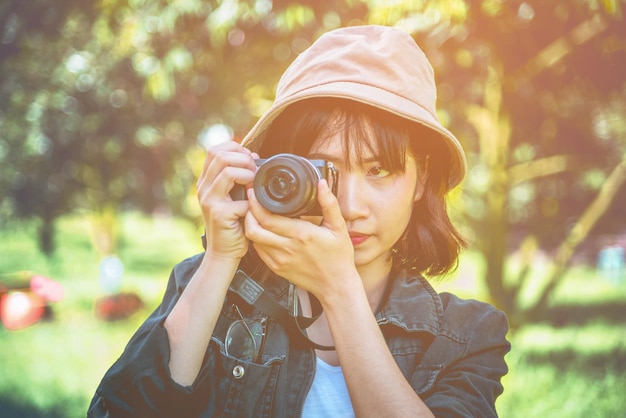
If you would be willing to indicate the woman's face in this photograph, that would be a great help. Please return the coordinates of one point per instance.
(376, 202)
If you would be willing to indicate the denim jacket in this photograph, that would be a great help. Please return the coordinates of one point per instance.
(450, 350)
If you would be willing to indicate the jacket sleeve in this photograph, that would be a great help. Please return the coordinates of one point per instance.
(465, 363)
(139, 382)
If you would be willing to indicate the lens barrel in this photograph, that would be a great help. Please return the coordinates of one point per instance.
(286, 184)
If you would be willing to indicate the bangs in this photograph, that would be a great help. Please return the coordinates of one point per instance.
(365, 131)
(431, 243)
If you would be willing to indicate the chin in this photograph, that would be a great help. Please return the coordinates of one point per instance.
(364, 259)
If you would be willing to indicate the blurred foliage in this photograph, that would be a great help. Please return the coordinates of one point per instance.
(100, 102)
(532, 88)
(103, 104)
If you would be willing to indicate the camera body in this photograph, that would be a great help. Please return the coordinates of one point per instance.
(286, 184)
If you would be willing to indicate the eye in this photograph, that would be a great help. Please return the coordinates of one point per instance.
(378, 171)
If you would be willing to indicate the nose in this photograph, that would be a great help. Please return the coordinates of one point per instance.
(352, 197)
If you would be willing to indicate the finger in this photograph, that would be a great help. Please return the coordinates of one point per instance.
(261, 236)
(226, 153)
(221, 212)
(226, 180)
(222, 159)
(272, 249)
(210, 152)
(239, 208)
(224, 170)
(331, 212)
(266, 257)
(252, 227)
(278, 224)
(257, 220)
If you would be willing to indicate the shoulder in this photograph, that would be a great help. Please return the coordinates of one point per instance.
(470, 319)
(188, 266)
(460, 373)
(182, 272)
(454, 305)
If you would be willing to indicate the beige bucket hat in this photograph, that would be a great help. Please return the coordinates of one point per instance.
(377, 65)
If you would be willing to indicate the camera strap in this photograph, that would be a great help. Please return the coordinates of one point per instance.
(255, 295)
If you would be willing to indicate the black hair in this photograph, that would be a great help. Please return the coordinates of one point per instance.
(430, 243)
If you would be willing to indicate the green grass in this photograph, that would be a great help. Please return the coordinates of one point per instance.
(572, 363)
(52, 368)
(574, 371)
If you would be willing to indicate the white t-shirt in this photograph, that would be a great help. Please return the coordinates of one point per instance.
(328, 396)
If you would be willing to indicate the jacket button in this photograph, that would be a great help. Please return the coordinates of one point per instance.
(238, 372)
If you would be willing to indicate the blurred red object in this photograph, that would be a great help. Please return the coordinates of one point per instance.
(25, 300)
(118, 306)
(46, 288)
(21, 308)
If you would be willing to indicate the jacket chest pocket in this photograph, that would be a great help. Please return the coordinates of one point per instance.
(248, 389)
(245, 387)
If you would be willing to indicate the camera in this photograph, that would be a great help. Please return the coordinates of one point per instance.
(286, 184)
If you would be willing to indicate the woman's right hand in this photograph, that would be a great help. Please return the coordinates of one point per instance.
(226, 165)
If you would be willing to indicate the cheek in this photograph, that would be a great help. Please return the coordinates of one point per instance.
(396, 207)
(404, 193)
(398, 203)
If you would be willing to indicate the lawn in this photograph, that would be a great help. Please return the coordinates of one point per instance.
(572, 363)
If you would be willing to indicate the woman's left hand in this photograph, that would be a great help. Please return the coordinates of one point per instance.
(310, 256)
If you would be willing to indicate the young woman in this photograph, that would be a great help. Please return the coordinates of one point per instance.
(382, 342)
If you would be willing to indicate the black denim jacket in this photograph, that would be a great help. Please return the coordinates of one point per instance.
(450, 350)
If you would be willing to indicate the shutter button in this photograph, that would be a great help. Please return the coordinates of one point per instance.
(238, 372)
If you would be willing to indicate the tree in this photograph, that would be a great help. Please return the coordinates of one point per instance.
(28, 88)
(542, 129)
(102, 101)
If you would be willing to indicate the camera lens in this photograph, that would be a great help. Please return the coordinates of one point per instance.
(281, 183)
(286, 184)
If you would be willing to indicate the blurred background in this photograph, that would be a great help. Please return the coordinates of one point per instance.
(106, 108)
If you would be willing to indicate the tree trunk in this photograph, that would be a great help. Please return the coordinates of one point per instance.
(46, 236)
(494, 246)
(578, 233)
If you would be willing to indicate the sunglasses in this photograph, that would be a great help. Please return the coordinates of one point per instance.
(245, 338)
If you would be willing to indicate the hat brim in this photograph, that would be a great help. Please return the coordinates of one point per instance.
(373, 96)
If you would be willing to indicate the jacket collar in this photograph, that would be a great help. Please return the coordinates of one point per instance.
(412, 304)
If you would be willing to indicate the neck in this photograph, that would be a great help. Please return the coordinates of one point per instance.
(375, 280)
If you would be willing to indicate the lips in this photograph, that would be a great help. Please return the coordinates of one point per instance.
(358, 238)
